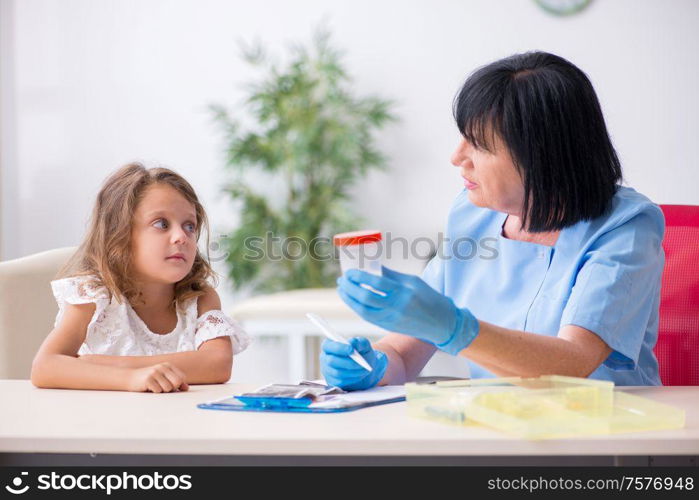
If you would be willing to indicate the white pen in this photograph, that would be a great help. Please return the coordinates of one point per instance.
(333, 335)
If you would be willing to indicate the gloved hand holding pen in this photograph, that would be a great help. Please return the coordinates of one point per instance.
(340, 370)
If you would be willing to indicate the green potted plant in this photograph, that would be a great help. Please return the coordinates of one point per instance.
(309, 135)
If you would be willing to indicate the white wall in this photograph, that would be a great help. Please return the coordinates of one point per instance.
(94, 84)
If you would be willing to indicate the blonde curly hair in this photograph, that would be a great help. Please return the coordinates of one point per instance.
(105, 252)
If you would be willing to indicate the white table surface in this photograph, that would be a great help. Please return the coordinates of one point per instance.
(65, 421)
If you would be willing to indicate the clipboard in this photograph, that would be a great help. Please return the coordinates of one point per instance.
(332, 403)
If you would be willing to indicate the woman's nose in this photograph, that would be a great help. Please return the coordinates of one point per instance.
(459, 154)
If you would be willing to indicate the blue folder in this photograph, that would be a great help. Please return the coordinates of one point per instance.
(290, 405)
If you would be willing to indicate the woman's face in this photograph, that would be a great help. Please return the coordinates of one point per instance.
(163, 235)
(492, 179)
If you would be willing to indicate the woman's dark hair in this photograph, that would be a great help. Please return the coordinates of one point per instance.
(546, 112)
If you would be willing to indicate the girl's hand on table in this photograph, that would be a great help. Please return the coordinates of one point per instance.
(163, 377)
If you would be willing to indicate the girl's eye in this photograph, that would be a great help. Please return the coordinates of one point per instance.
(161, 224)
(191, 227)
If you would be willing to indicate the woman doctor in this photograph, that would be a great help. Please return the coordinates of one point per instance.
(573, 286)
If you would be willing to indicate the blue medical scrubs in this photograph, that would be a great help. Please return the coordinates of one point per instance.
(603, 275)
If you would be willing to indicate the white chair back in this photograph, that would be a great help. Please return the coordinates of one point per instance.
(27, 308)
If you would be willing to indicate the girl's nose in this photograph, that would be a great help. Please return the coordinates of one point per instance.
(178, 236)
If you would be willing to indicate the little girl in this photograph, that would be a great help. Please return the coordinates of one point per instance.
(136, 310)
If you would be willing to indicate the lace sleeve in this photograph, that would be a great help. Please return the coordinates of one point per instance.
(79, 290)
(213, 324)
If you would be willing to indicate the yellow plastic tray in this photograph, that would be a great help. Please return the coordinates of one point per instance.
(541, 408)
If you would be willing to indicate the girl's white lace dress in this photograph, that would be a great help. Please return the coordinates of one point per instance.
(116, 330)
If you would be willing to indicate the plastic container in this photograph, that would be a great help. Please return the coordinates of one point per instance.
(359, 250)
(541, 408)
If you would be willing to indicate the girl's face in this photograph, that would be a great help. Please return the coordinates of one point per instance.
(163, 235)
(492, 179)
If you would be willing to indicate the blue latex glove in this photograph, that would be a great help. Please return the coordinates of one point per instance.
(410, 306)
(342, 371)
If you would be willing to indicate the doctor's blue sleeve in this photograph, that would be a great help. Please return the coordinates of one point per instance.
(433, 274)
(618, 284)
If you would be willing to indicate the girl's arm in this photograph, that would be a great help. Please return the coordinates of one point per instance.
(56, 364)
(210, 364)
